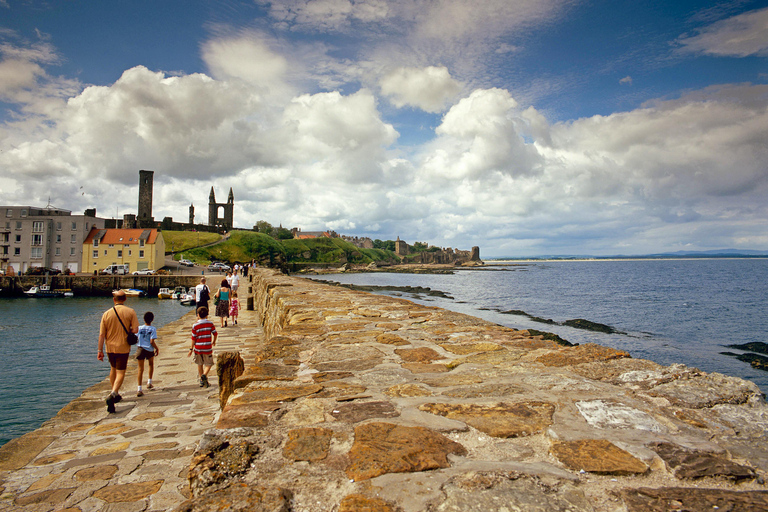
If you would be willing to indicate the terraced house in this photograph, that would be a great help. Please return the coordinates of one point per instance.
(43, 237)
(140, 249)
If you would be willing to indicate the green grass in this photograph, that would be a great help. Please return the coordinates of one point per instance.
(244, 246)
(179, 241)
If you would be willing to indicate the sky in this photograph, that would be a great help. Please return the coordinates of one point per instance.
(524, 127)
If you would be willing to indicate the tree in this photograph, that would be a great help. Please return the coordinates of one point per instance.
(265, 227)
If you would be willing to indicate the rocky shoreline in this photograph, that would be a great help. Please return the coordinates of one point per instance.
(339, 400)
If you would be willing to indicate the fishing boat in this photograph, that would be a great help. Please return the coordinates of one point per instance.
(134, 292)
(188, 299)
(178, 293)
(164, 293)
(44, 290)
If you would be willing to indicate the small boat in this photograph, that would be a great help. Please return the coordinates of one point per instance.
(45, 291)
(188, 299)
(178, 293)
(134, 292)
(164, 293)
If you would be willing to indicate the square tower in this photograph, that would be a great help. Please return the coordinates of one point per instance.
(146, 179)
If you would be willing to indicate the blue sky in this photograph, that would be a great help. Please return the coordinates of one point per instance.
(525, 127)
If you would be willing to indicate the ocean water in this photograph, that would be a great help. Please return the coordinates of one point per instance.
(48, 354)
(669, 311)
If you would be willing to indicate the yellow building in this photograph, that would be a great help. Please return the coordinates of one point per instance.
(140, 249)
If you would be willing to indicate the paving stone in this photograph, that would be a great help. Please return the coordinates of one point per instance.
(128, 492)
(407, 390)
(53, 459)
(425, 368)
(47, 496)
(18, 452)
(357, 412)
(423, 355)
(362, 503)
(381, 448)
(516, 419)
(481, 492)
(579, 354)
(667, 499)
(148, 416)
(88, 461)
(609, 414)
(698, 464)
(254, 414)
(105, 472)
(239, 497)
(470, 348)
(504, 357)
(706, 391)
(486, 390)
(114, 448)
(276, 394)
(310, 444)
(134, 433)
(307, 411)
(42, 483)
(219, 460)
(391, 339)
(329, 376)
(597, 456)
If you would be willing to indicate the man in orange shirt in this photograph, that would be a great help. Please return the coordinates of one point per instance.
(112, 334)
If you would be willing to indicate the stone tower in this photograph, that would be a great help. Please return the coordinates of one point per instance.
(191, 214)
(145, 219)
(226, 221)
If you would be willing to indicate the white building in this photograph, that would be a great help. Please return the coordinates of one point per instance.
(43, 237)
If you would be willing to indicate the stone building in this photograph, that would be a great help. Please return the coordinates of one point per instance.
(44, 237)
(216, 209)
(140, 249)
(145, 219)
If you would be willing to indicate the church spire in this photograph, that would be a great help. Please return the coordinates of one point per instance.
(231, 197)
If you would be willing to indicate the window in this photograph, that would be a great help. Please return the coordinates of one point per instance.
(95, 243)
(18, 224)
(72, 251)
(9, 213)
(58, 239)
(58, 251)
(18, 238)
(95, 253)
(58, 226)
(141, 254)
(37, 239)
(105, 252)
(86, 226)
(74, 226)
(23, 213)
(141, 243)
(36, 253)
(73, 239)
(129, 252)
(16, 251)
(111, 245)
(119, 253)
(37, 226)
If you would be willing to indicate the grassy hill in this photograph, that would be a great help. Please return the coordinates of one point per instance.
(243, 246)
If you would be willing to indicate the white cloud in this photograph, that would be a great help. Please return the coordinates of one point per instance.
(429, 89)
(626, 80)
(247, 57)
(738, 36)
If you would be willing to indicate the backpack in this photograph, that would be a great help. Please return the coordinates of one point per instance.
(204, 295)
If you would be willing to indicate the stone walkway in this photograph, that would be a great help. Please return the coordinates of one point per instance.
(135, 460)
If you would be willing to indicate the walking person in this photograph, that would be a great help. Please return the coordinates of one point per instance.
(222, 304)
(147, 350)
(235, 282)
(203, 340)
(202, 294)
(234, 307)
(115, 325)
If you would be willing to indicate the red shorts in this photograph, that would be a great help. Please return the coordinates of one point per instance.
(118, 361)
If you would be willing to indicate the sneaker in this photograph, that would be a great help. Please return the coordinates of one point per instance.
(204, 380)
(150, 386)
(118, 398)
(111, 404)
(225, 323)
(140, 393)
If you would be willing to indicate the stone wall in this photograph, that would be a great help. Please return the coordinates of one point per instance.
(87, 286)
(362, 402)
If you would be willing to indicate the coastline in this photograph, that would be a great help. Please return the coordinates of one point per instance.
(494, 413)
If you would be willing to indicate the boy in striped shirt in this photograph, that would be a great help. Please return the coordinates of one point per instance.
(203, 340)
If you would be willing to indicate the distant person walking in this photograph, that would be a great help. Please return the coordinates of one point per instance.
(203, 340)
(235, 282)
(147, 350)
(112, 333)
(222, 304)
(234, 307)
(202, 294)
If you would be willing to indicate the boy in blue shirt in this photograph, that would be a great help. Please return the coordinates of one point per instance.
(147, 349)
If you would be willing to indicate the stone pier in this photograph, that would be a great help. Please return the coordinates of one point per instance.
(338, 400)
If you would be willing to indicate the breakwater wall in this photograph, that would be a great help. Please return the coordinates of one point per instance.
(338, 400)
(364, 402)
(96, 286)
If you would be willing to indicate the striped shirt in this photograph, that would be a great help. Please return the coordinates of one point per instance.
(202, 336)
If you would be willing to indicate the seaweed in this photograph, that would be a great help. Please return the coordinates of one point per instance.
(552, 337)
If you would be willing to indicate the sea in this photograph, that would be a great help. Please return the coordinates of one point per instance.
(48, 354)
(668, 311)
